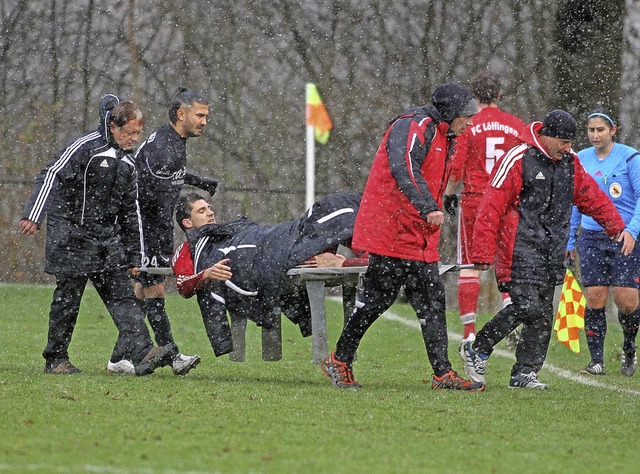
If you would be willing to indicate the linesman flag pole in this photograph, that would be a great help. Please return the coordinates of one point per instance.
(318, 128)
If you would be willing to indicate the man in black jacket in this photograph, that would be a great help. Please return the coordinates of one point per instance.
(161, 162)
(258, 257)
(89, 194)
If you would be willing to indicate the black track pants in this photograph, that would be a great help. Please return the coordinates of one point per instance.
(425, 290)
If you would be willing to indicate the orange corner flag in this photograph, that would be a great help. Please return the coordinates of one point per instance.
(570, 315)
(317, 115)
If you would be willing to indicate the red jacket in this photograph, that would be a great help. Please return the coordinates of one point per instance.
(187, 280)
(524, 216)
(406, 182)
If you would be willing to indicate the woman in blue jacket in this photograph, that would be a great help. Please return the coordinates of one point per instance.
(606, 263)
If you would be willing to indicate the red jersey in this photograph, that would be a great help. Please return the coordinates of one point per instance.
(493, 133)
(187, 280)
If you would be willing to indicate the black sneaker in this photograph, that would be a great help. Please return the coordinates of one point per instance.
(629, 364)
(64, 367)
(529, 380)
(156, 357)
(594, 368)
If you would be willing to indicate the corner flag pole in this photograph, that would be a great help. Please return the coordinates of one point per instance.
(310, 193)
(318, 128)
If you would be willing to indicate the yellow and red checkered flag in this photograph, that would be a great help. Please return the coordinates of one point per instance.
(317, 115)
(570, 315)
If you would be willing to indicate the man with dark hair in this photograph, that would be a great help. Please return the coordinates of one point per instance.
(161, 162)
(240, 266)
(89, 194)
(476, 152)
(523, 226)
(399, 225)
(194, 211)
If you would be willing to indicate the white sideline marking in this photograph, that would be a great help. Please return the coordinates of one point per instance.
(96, 469)
(508, 355)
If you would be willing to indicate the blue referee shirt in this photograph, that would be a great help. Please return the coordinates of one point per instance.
(619, 177)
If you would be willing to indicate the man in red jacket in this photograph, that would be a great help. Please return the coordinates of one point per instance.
(398, 223)
(493, 133)
(523, 226)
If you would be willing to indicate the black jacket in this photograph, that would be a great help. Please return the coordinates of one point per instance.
(260, 255)
(89, 194)
(161, 162)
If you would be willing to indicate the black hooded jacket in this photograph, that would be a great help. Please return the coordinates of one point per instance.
(88, 193)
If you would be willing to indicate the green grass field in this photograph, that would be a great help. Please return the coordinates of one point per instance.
(285, 417)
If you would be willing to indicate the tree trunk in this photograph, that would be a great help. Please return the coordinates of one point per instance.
(588, 57)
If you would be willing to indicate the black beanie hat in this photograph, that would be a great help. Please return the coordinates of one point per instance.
(452, 100)
(559, 124)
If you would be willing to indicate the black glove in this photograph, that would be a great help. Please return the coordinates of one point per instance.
(450, 202)
(206, 184)
(209, 185)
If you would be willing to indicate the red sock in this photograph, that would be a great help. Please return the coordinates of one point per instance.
(468, 292)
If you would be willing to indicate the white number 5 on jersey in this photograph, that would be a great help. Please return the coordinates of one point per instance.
(493, 152)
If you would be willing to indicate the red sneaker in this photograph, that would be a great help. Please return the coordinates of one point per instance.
(341, 373)
(452, 381)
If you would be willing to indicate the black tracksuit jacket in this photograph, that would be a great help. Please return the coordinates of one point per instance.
(88, 193)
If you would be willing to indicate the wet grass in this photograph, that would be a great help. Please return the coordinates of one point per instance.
(284, 417)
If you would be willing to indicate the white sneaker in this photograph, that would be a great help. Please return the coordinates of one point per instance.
(529, 380)
(123, 367)
(182, 364)
(474, 365)
(471, 338)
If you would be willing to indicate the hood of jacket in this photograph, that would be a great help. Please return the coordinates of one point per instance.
(428, 110)
(105, 106)
(452, 100)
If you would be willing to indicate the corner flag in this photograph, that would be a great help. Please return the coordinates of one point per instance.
(317, 115)
(570, 315)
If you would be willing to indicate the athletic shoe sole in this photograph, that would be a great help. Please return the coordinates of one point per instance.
(184, 370)
(153, 359)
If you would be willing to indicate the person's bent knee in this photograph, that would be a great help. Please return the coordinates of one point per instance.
(626, 299)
